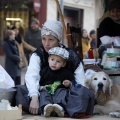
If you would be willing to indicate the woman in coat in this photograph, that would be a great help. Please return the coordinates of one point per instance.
(12, 58)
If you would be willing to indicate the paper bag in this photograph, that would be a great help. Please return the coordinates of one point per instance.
(5, 80)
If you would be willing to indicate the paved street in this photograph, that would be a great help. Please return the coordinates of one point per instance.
(96, 117)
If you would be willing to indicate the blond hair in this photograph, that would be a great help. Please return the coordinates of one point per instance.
(8, 33)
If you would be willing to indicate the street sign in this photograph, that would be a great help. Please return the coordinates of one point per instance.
(36, 5)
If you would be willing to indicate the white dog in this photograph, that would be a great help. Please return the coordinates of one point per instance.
(107, 94)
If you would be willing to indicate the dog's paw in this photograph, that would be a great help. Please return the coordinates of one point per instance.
(96, 110)
(114, 114)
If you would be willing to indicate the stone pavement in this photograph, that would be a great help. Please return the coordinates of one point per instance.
(95, 117)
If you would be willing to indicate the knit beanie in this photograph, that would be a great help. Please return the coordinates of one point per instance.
(53, 27)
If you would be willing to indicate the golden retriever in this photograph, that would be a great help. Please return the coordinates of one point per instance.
(107, 94)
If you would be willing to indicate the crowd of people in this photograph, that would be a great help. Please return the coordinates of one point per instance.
(53, 70)
(18, 51)
(26, 45)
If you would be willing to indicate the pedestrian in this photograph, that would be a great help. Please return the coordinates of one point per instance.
(32, 38)
(12, 58)
(86, 42)
(29, 94)
(94, 39)
(20, 46)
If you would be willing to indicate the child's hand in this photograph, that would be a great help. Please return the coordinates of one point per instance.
(44, 88)
(66, 83)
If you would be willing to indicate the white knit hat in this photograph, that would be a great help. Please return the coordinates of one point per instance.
(60, 52)
(53, 27)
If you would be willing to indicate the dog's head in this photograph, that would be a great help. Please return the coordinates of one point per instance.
(99, 82)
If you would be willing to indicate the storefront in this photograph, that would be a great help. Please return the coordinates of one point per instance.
(19, 13)
(14, 18)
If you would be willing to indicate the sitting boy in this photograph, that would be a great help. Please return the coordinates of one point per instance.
(55, 79)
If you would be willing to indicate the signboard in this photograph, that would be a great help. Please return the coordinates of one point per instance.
(36, 5)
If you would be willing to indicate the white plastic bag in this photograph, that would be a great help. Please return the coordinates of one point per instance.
(5, 80)
(109, 40)
(106, 40)
(117, 41)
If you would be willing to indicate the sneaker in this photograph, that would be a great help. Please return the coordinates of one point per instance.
(59, 110)
(48, 110)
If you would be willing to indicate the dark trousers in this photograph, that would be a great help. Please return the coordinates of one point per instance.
(23, 98)
(17, 80)
(58, 98)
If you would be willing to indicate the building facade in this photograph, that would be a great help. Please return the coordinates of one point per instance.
(84, 13)
(76, 12)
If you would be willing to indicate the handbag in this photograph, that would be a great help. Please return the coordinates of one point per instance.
(93, 53)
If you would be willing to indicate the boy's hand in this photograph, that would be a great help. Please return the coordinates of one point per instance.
(66, 83)
(44, 88)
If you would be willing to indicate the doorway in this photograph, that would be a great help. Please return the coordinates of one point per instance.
(73, 16)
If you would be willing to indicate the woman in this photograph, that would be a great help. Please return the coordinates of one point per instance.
(86, 42)
(52, 33)
(20, 46)
(94, 40)
(110, 26)
(12, 58)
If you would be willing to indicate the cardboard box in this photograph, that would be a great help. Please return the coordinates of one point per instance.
(11, 114)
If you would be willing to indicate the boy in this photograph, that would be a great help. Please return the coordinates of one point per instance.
(55, 79)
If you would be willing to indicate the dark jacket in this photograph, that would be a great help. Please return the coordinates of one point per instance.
(12, 58)
(18, 39)
(49, 76)
(108, 27)
(33, 38)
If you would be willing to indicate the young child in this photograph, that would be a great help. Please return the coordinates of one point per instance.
(55, 79)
